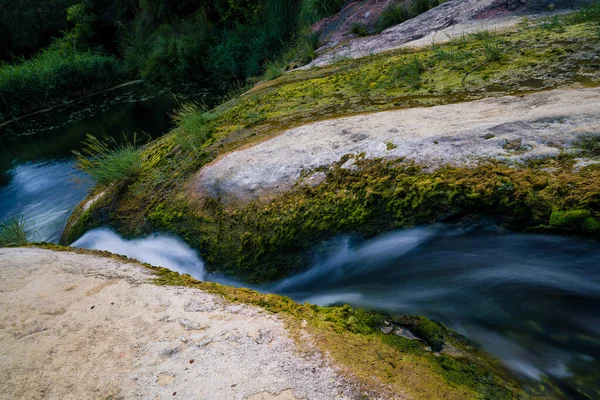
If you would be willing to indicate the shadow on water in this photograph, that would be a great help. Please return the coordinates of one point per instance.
(530, 300)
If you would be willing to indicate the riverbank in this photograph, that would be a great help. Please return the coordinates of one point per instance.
(64, 313)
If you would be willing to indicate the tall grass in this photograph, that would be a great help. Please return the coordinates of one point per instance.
(194, 125)
(590, 13)
(52, 76)
(13, 232)
(108, 161)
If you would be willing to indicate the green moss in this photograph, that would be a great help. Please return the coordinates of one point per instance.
(572, 219)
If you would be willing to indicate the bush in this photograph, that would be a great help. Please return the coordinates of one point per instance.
(53, 76)
(108, 161)
(171, 51)
(13, 233)
(393, 14)
(359, 29)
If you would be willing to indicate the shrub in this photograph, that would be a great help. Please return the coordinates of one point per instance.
(108, 161)
(420, 6)
(13, 232)
(393, 14)
(52, 76)
(359, 29)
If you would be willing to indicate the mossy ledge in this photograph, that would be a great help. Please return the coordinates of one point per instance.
(265, 241)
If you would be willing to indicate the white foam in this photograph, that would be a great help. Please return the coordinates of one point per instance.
(157, 249)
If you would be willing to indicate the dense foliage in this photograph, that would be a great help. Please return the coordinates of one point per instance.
(102, 42)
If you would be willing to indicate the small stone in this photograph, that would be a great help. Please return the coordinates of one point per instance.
(192, 361)
(304, 323)
(428, 348)
(183, 339)
(513, 144)
(488, 136)
(189, 325)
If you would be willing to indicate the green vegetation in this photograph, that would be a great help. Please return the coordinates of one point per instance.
(30, 25)
(108, 161)
(395, 14)
(13, 232)
(591, 145)
(55, 74)
(408, 74)
(359, 29)
(105, 43)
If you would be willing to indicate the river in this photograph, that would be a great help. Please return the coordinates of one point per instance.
(533, 301)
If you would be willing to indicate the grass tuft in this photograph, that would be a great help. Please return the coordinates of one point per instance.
(108, 161)
(359, 29)
(493, 50)
(393, 14)
(273, 70)
(409, 74)
(13, 232)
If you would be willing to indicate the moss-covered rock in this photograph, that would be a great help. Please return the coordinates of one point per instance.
(263, 241)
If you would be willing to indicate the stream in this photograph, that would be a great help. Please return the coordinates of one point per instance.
(533, 301)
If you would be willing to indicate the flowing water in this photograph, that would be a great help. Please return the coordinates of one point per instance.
(533, 301)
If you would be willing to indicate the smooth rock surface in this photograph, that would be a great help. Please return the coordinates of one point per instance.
(514, 129)
(81, 327)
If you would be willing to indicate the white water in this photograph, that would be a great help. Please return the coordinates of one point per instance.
(531, 300)
(158, 250)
